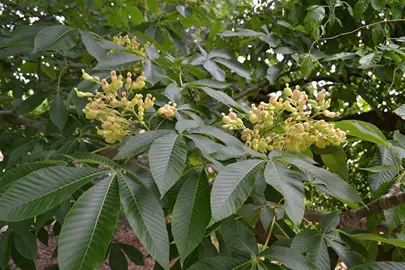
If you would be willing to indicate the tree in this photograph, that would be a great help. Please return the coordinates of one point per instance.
(143, 109)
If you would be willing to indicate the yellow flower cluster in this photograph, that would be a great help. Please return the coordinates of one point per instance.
(132, 45)
(288, 124)
(168, 111)
(116, 112)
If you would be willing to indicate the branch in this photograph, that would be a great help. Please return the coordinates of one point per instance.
(11, 118)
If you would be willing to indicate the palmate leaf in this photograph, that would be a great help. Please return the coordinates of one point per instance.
(167, 160)
(336, 163)
(191, 214)
(219, 262)
(58, 112)
(88, 228)
(235, 66)
(382, 156)
(146, 217)
(288, 183)
(217, 133)
(55, 38)
(41, 190)
(232, 187)
(92, 46)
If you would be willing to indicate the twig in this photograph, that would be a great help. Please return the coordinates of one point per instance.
(361, 27)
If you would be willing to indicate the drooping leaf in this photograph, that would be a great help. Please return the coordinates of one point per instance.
(382, 156)
(55, 38)
(232, 187)
(59, 113)
(134, 145)
(167, 160)
(87, 157)
(235, 66)
(239, 238)
(395, 216)
(288, 183)
(209, 83)
(360, 7)
(378, 4)
(220, 96)
(153, 72)
(92, 46)
(330, 221)
(26, 244)
(117, 259)
(216, 133)
(133, 254)
(89, 226)
(363, 130)
(191, 214)
(400, 111)
(5, 250)
(146, 218)
(350, 258)
(218, 262)
(41, 190)
(336, 163)
(216, 72)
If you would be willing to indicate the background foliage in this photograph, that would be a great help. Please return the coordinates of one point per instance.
(206, 56)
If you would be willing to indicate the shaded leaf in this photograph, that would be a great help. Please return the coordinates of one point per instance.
(55, 38)
(59, 113)
(117, 61)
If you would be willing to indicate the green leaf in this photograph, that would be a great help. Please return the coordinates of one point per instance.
(218, 262)
(88, 227)
(153, 73)
(241, 33)
(232, 187)
(55, 38)
(288, 183)
(288, 257)
(380, 266)
(307, 66)
(273, 72)
(350, 258)
(146, 218)
(377, 34)
(400, 111)
(173, 93)
(330, 221)
(235, 66)
(328, 182)
(214, 70)
(117, 259)
(360, 7)
(59, 113)
(41, 190)
(239, 238)
(216, 133)
(167, 160)
(220, 96)
(117, 61)
(313, 244)
(336, 163)
(135, 13)
(31, 102)
(182, 125)
(395, 216)
(209, 83)
(378, 4)
(5, 250)
(133, 254)
(221, 52)
(134, 145)
(87, 157)
(92, 46)
(382, 156)
(363, 130)
(26, 244)
(191, 214)
(314, 17)
(380, 168)
(12, 175)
